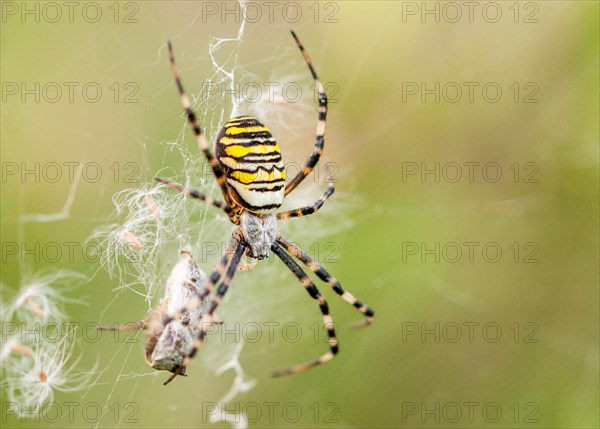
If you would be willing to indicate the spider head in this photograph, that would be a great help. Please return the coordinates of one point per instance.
(259, 232)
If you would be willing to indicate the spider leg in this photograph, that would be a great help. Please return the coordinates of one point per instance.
(130, 327)
(327, 319)
(214, 277)
(318, 269)
(200, 137)
(194, 194)
(320, 134)
(308, 209)
(194, 288)
(209, 317)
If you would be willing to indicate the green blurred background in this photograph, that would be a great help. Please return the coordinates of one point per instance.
(542, 211)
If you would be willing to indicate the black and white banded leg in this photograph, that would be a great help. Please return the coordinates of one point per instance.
(200, 137)
(327, 319)
(318, 269)
(313, 159)
(194, 194)
(209, 316)
(304, 211)
(215, 276)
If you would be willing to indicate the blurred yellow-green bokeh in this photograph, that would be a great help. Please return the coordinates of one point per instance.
(465, 137)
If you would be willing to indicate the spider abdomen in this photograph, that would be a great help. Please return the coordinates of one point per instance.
(252, 163)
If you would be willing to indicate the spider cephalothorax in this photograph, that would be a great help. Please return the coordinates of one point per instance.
(259, 232)
(250, 172)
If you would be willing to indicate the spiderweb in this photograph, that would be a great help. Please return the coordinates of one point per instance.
(152, 223)
(139, 244)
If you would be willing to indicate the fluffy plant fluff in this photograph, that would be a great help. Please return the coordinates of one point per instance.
(35, 361)
(40, 297)
(49, 368)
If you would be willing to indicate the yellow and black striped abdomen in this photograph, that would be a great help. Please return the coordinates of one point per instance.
(252, 163)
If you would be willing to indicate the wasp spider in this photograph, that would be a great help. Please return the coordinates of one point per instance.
(250, 172)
